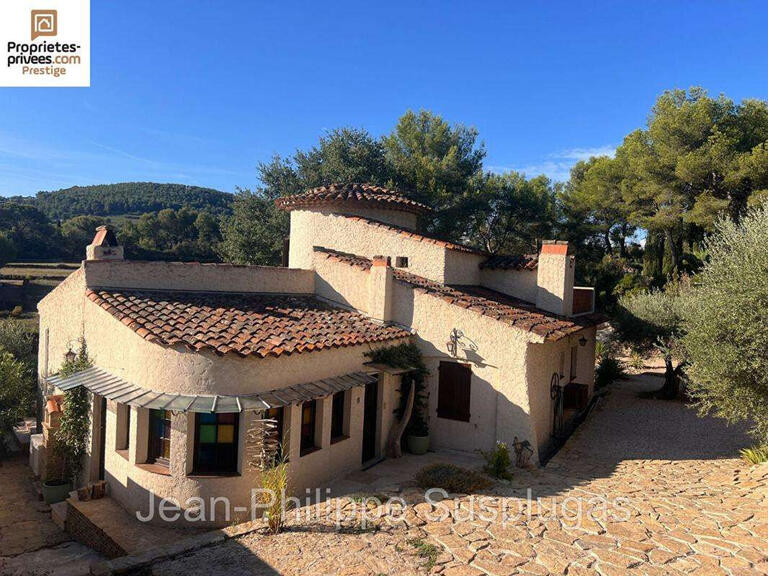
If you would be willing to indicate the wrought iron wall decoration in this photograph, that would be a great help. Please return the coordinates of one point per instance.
(556, 393)
(456, 339)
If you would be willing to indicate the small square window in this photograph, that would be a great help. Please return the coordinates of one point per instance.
(401, 262)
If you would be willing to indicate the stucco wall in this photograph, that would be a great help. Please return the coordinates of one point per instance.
(340, 283)
(518, 283)
(462, 267)
(195, 276)
(499, 408)
(546, 359)
(393, 217)
(61, 322)
(309, 229)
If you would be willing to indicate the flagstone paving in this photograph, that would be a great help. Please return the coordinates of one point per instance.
(643, 487)
(30, 542)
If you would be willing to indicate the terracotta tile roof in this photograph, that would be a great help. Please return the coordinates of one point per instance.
(501, 262)
(357, 194)
(416, 236)
(485, 301)
(244, 324)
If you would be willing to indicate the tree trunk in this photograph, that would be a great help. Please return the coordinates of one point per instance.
(623, 241)
(673, 250)
(671, 388)
(394, 449)
(607, 239)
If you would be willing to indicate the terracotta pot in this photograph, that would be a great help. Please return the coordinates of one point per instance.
(56, 491)
(417, 444)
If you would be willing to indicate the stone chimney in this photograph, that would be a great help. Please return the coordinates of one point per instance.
(380, 286)
(104, 245)
(554, 292)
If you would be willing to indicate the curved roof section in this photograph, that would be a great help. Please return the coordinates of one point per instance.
(357, 195)
(244, 324)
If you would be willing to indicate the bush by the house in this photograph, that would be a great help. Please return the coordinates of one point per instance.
(608, 370)
(498, 462)
(451, 478)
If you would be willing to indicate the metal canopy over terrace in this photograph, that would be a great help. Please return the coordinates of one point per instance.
(105, 384)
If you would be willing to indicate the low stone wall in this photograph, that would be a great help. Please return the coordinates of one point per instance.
(86, 532)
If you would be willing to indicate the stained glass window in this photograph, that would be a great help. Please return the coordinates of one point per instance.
(216, 443)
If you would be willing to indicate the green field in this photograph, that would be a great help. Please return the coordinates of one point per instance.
(42, 277)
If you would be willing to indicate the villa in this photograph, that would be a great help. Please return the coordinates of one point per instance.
(188, 356)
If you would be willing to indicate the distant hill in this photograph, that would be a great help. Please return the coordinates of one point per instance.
(126, 198)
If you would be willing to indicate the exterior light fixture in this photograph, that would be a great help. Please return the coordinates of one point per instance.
(70, 355)
(582, 341)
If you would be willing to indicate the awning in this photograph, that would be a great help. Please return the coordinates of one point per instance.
(103, 383)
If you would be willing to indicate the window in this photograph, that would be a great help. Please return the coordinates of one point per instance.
(123, 436)
(308, 421)
(337, 417)
(401, 262)
(276, 414)
(454, 391)
(574, 356)
(159, 436)
(216, 443)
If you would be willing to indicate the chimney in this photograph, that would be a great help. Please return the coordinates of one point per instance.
(104, 245)
(380, 285)
(555, 278)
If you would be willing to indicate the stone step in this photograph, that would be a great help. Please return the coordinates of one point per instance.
(59, 514)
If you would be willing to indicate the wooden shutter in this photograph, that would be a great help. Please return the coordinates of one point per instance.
(454, 391)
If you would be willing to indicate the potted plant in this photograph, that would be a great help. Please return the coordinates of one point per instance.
(417, 432)
(414, 399)
(69, 440)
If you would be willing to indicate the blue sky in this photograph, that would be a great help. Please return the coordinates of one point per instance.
(200, 92)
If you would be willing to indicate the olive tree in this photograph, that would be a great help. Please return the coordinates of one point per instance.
(653, 320)
(725, 323)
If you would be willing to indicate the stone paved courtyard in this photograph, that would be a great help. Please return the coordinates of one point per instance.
(30, 542)
(661, 492)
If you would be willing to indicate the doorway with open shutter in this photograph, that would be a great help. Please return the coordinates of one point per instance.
(370, 421)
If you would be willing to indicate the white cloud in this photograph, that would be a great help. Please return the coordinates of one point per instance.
(577, 154)
(557, 166)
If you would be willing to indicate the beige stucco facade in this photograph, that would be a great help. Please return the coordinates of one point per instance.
(511, 367)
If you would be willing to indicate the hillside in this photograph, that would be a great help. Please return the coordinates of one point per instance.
(126, 198)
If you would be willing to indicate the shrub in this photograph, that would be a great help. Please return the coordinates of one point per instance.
(17, 391)
(72, 435)
(451, 478)
(608, 370)
(725, 327)
(498, 461)
(20, 340)
(636, 360)
(755, 455)
(274, 483)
